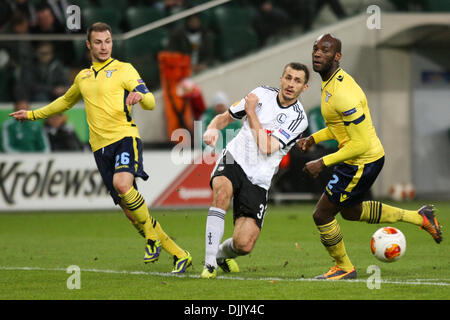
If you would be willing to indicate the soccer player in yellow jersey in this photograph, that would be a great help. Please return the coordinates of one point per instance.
(109, 89)
(357, 162)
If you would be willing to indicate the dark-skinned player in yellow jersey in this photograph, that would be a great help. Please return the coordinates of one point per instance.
(109, 89)
(357, 163)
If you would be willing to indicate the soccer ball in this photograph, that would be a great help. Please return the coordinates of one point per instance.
(388, 244)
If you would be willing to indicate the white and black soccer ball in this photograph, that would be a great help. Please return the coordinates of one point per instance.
(388, 244)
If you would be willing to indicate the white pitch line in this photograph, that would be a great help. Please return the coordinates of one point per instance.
(163, 274)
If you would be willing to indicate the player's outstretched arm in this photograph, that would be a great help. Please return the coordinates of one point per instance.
(59, 105)
(217, 123)
(21, 115)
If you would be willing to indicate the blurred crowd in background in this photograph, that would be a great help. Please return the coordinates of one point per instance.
(40, 71)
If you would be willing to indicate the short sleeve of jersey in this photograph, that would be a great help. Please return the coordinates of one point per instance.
(237, 110)
(132, 81)
(291, 130)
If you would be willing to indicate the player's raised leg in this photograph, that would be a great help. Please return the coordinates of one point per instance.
(377, 212)
(215, 223)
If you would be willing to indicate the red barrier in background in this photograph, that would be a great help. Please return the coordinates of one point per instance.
(190, 189)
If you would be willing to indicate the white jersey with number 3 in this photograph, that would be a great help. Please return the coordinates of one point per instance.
(284, 123)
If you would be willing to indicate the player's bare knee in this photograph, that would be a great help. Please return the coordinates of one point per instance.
(316, 217)
(321, 217)
(352, 213)
(349, 217)
(243, 246)
(121, 186)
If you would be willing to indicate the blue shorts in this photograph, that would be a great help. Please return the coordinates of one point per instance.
(350, 183)
(121, 156)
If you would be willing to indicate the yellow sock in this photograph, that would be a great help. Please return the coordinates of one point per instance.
(331, 238)
(139, 228)
(168, 244)
(377, 212)
(135, 203)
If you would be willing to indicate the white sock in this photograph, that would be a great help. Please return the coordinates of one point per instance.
(226, 250)
(215, 225)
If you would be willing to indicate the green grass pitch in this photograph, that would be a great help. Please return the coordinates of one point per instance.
(37, 248)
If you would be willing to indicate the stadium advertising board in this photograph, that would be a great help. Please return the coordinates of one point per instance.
(70, 181)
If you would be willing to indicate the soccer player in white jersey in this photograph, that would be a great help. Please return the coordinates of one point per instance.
(274, 120)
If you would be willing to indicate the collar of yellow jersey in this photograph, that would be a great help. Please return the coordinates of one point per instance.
(98, 65)
(324, 83)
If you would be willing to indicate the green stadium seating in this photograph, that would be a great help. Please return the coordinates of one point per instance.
(149, 43)
(437, 5)
(142, 51)
(148, 69)
(231, 16)
(119, 49)
(79, 50)
(198, 2)
(121, 5)
(110, 16)
(83, 4)
(234, 32)
(236, 42)
(138, 16)
(208, 19)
